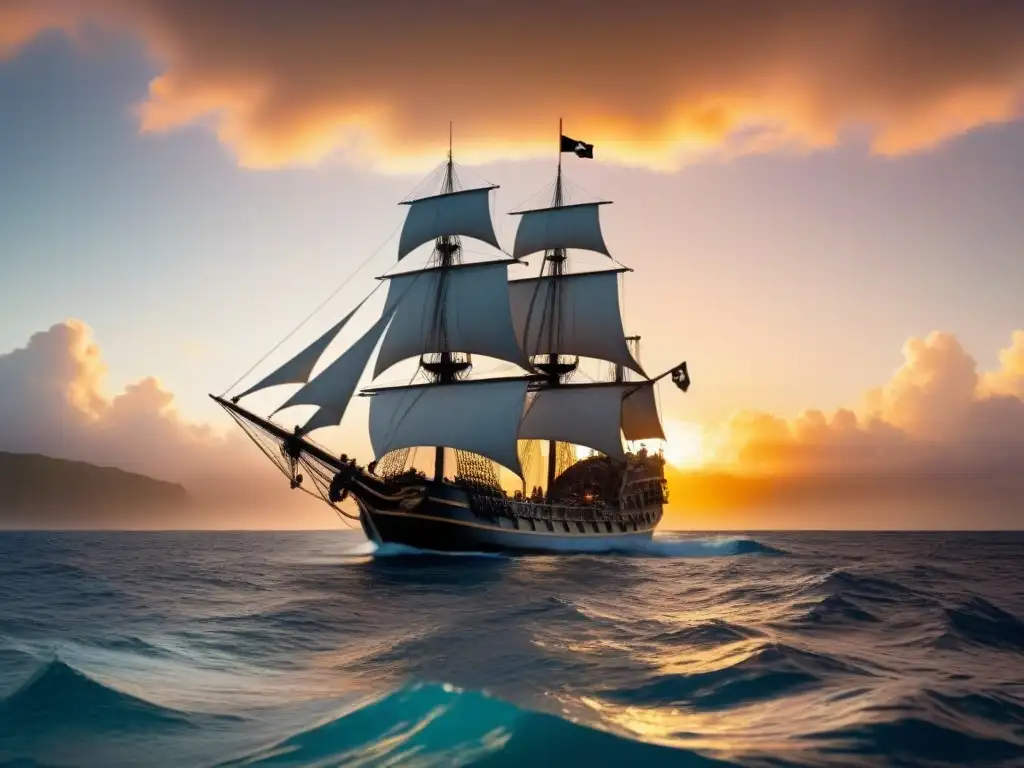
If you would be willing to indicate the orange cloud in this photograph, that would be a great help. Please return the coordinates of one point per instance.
(938, 445)
(648, 82)
(1009, 379)
(52, 402)
(936, 414)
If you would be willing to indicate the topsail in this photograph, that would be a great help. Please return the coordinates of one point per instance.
(464, 212)
(567, 226)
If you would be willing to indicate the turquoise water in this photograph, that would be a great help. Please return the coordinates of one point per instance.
(182, 649)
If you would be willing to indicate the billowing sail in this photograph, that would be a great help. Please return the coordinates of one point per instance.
(481, 417)
(297, 370)
(593, 415)
(466, 212)
(461, 309)
(333, 388)
(588, 322)
(640, 420)
(567, 226)
(590, 416)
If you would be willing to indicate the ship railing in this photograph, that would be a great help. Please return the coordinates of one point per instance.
(639, 496)
(567, 513)
(644, 494)
(560, 512)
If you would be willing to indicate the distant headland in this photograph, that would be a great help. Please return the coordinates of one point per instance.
(40, 492)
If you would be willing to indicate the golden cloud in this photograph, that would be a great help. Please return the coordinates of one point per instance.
(649, 82)
(936, 414)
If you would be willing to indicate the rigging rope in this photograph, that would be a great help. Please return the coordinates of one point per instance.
(337, 290)
(320, 306)
(545, 191)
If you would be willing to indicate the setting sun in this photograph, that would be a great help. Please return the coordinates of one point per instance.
(684, 444)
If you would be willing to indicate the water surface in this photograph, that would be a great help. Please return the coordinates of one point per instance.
(202, 649)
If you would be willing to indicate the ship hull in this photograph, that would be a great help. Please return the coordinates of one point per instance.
(443, 520)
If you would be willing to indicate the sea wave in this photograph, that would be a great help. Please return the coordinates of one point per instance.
(440, 725)
(59, 693)
(976, 621)
(769, 670)
(420, 724)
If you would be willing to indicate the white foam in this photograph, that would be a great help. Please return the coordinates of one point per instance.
(370, 548)
(658, 546)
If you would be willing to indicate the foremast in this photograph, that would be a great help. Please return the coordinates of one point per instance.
(444, 314)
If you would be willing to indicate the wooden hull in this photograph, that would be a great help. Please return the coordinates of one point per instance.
(440, 518)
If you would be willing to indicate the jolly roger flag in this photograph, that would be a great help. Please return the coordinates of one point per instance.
(582, 149)
(681, 376)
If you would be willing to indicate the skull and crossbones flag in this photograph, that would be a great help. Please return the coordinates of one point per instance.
(681, 376)
(580, 148)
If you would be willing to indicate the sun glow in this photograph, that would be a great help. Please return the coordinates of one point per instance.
(684, 444)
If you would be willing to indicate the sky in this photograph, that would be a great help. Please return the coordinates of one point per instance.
(820, 202)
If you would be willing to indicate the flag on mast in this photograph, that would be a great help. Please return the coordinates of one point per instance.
(580, 148)
(681, 376)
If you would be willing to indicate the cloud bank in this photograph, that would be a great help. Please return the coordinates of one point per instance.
(282, 83)
(940, 445)
(936, 414)
(52, 401)
(937, 427)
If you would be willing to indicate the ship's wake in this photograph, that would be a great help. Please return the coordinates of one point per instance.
(389, 550)
(668, 545)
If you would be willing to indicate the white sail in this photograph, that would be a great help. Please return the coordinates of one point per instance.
(297, 370)
(477, 416)
(333, 388)
(476, 316)
(567, 226)
(589, 323)
(466, 212)
(590, 416)
(640, 420)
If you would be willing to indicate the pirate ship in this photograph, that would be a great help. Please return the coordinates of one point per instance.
(445, 315)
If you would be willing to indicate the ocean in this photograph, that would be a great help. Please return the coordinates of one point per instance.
(281, 649)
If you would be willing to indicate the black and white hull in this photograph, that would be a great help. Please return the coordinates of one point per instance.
(444, 518)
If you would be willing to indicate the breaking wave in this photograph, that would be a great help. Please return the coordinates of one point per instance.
(421, 724)
(439, 725)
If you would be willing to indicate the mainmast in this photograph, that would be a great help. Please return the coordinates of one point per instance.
(444, 367)
(553, 368)
(563, 315)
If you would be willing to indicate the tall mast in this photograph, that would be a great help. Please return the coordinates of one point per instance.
(554, 265)
(445, 369)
